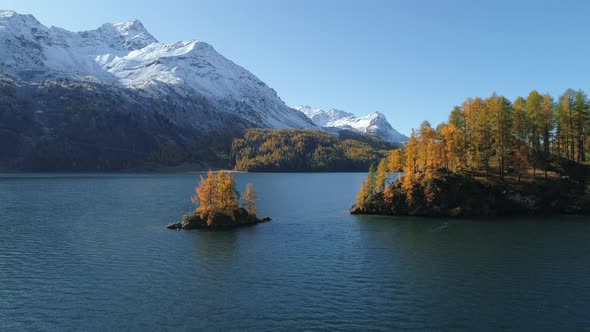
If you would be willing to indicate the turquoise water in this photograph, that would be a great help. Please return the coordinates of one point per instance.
(91, 252)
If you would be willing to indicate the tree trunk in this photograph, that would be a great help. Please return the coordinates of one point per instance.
(545, 171)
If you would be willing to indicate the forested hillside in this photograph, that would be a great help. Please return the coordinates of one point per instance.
(306, 150)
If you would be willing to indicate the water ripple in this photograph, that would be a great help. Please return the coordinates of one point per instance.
(89, 252)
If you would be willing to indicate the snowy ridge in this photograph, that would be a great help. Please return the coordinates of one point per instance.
(375, 123)
(127, 55)
(321, 117)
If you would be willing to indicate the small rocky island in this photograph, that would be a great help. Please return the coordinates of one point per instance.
(217, 199)
(492, 158)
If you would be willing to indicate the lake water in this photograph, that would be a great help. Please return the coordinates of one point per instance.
(91, 252)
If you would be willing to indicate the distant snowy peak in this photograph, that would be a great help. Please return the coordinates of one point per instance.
(127, 55)
(321, 117)
(375, 123)
(134, 34)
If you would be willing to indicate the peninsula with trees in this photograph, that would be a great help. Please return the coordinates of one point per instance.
(493, 157)
(217, 201)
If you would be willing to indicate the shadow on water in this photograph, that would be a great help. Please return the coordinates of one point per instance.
(211, 242)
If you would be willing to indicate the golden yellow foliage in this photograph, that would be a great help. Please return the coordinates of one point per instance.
(216, 194)
(305, 150)
(490, 135)
(381, 176)
(396, 161)
(363, 194)
(250, 199)
(388, 195)
(228, 195)
(207, 196)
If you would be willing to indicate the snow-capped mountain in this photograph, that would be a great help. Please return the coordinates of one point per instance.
(126, 55)
(321, 117)
(374, 123)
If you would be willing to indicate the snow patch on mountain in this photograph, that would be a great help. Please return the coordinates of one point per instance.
(321, 117)
(375, 123)
(127, 55)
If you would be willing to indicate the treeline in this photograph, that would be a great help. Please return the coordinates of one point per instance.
(528, 138)
(267, 150)
(485, 134)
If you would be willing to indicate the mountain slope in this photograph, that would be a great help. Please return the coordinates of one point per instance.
(374, 123)
(61, 126)
(116, 98)
(128, 56)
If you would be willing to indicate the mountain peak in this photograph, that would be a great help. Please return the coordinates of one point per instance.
(375, 115)
(374, 123)
(134, 23)
(131, 29)
(321, 117)
(134, 34)
(125, 54)
(7, 13)
(20, 19)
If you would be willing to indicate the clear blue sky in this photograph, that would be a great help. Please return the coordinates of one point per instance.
(411, 60)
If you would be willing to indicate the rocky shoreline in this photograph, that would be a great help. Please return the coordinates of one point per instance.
(448, 194)
(239, 217)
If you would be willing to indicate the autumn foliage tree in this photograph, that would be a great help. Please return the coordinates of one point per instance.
(368, 187)
(206, 196)
(216, 194)
(490, 136)
(381, 175)
(250, 199)
(227, 192)
(395, 161)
